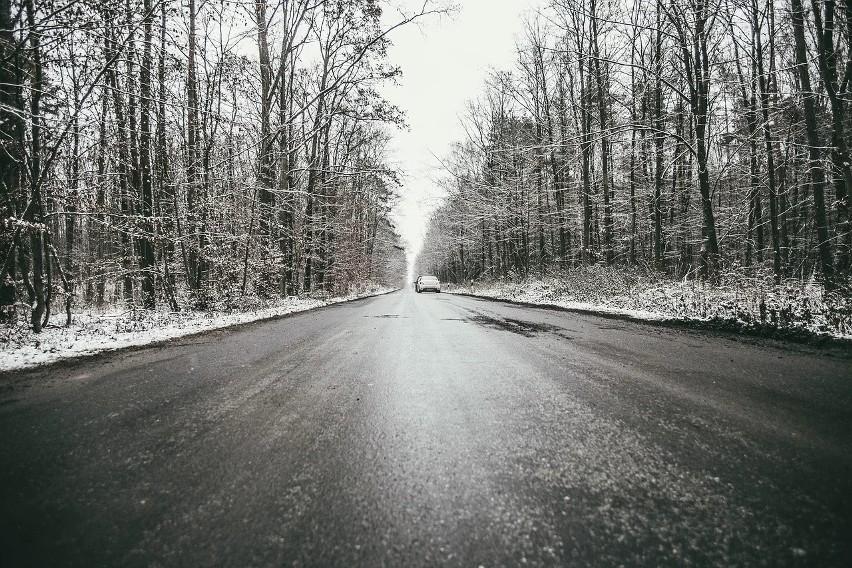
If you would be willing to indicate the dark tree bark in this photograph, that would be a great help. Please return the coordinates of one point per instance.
(193, 265)
(837, 89)
(124, 159)
(266, 176)
(586, 255)
(11, 157)
(659, 140)
(763, 87)
(36, 211)
(166, 205)
(603, 118)
(814, 144)
(755, 220)
(147, 262)
(695, 57)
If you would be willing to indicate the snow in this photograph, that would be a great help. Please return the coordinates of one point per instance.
(792, 306)
(93, 332)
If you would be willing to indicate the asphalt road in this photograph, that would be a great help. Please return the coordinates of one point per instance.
(423, 430)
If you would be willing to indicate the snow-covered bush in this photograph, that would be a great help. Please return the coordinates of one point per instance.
(754, 302)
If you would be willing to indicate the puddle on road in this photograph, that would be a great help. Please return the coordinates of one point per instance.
(525, 328)
(521, 327)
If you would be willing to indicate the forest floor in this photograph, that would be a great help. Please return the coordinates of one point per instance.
(796, 310)
(95, 331)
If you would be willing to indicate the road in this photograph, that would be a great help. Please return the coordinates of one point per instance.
(432, 429)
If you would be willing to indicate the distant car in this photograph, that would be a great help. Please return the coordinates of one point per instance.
(427, 283)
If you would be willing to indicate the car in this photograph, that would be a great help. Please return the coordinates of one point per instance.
(427, 283)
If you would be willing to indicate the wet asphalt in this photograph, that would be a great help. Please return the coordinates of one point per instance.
(431, 430)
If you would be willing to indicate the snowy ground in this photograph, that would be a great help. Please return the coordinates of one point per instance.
(791, 307)
(94, 332)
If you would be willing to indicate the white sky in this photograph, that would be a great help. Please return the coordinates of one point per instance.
(444, 63)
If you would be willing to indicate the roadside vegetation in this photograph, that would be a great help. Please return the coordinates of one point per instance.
(687, 159)
(93, 330)
(792, 309)
(194, 156)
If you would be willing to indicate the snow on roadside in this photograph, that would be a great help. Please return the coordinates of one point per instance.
(96, 332)
(539, 293)
(793, 307)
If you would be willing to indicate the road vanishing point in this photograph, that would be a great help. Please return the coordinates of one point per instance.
(432, 430)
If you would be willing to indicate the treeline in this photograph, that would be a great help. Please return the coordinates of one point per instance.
(192, 153)
(689, 137)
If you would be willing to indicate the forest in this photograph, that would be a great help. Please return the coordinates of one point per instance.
(690, 139)
(195, 154)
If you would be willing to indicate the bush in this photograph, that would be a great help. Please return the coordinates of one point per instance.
(754, 301)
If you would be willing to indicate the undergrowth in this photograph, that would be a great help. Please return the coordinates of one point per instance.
(755, 302)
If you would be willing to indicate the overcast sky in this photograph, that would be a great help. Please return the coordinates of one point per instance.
(444, 63)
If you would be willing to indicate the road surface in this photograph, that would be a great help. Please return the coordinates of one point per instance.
(422, 430)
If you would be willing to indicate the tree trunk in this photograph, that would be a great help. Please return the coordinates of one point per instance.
(39, 307)
(659, 139)
(762, 83)
(814, 144)
(11, 156)
(265, 176)
(603, 117)
(147, 261)
(193, 261)
(586, 254)
(827, 54)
